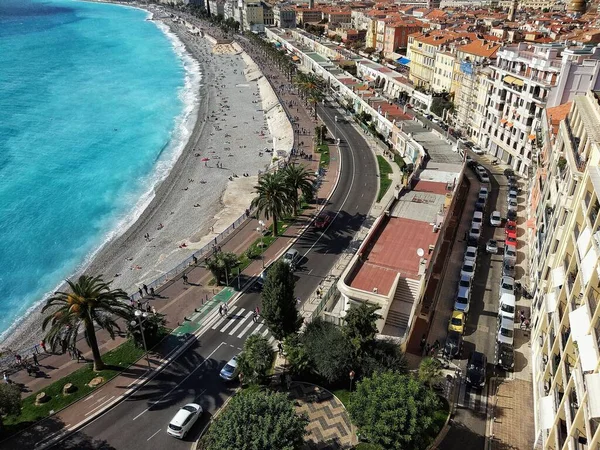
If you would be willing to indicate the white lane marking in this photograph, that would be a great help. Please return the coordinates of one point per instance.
(89, 397)
(195, 316)
(245, 330)
(232, 320)
(182, 381)
(241, 322)
(218, 324)
(258, 328)
(153, 435)
(99, 406)
(272, 339)
(264, 333)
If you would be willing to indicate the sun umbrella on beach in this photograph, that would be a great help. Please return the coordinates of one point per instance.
(205, 159)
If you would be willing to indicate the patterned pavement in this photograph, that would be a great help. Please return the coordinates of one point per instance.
(329, 427)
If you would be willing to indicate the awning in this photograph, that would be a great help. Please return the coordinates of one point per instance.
(551, 301)
(508, 79)
(592, 382)
(587, 265)
(503, 121)
(295, 58)
(580, 322)
(518, 82)
(546, 411)
(583, 241)
(587, 353)
(531, 137)
(558, 276)
(530, 223)
(509, 124)
(404, 61)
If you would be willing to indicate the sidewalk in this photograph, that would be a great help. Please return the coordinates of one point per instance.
(185, 307)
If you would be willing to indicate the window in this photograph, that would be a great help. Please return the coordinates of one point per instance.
(556, 242)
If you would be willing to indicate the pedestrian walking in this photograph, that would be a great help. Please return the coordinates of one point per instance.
(255, 316)
(148, 308)
(139, 304)
(78, 354)
(225, 309)
(18, 358)
(280, 347)
(140, 292)
(145, 289)
(195, 260)
(35, 360)
(64, 346)
(5, 376)
(256, 310)
(43, 345)
(153, 309)
(185, 278)
(221, 310)
(152, 291)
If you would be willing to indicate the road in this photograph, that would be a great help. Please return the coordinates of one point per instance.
(140, 421)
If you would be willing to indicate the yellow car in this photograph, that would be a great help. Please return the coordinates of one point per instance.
(457, 322)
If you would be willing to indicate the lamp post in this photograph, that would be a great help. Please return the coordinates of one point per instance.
(139, 314)
(261, 229)
(351, 374)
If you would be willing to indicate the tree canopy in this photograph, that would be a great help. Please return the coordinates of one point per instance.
(360, 326)
(394, 411)
(10, 400)
(220, 265)
(257, 420)
(255, 360)
(279, 302)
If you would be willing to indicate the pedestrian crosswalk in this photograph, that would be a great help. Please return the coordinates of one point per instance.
(238, 323)
(472, 398)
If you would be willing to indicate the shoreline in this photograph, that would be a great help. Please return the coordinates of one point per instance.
(222, 200)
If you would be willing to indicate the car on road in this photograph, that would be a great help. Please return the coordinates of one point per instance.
(468, 269)
(291, 257)
(507, 285)
(508, 269)
(471, 254)
(322, 221)
(478, 150)
(510, 227)
(453, 344)
(483, 192)
(457, 322)
(184, 419)
(476, 369)
(506, 356)
(496, 219)
(513, 205)
(230, 370)
(475, 231)
(462, 301)
(491, 247)
(506, 330)
(507, 306)
(510, 254)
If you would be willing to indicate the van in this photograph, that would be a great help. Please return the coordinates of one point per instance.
(291, 257)
(507, 306)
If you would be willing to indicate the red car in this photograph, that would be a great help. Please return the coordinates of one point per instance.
(511, 239)
(322, 221)
(511, 227)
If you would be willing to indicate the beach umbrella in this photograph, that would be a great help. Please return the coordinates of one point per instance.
(205, 159)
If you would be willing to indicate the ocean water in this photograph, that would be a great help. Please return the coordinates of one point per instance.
(95, 104)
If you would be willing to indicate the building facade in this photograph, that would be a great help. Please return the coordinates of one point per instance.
(422, 49)
(284, 16)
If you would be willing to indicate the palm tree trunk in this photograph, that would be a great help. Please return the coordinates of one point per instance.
(91, 335)
(274, 225)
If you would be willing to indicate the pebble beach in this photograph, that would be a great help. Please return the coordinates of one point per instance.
(239, 126)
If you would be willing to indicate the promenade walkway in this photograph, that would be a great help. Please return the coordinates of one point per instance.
(185, 306)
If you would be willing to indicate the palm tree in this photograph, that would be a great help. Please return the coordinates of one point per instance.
(91, 302)
(298, 179)
(220, 265)
(273, 197)
(430, 371)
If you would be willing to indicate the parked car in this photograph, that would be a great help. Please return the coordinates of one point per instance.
(480, 204)
(477, 218)
(184, 419)
(478, 150)
(510, 227)
(457, 322)
(510, 241)
(506, 356)
(510, 254)
(230, 370)
(511, 215)
(496, 219)
(468, 269)
(507, 285)
(464, 286)
(512, 205)
(484, 178)
(512, 195)
(491, 247)
(476, 369)
(453, 344)
(462, 301)
(322, 221)
(508, 269)
(507, 306)
(475, 231)
(471, 254)
(506, 330)
(483, 192)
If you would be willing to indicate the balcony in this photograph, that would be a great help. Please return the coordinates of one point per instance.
(579, 163)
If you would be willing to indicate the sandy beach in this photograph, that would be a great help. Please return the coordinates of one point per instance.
(238, 116)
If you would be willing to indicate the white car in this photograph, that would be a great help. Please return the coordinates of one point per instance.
(471, 254)
(230, 370)
(510, 254)
(477, 218)
(484, 178)
(507, 306)
(477, 150)
(506, 330)
(491, 247)
(475, 231)
(183, 420)
(483, 192)
(468, 269)
(507, 286)
(512, 205)
(512, 195)
(496, 219)
(463, 298)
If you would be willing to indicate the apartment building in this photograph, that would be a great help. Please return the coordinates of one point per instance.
(396, 34)
(422, 49)
(308, 15)
(253, 14)
(443, 72)
(284, 16)
(565, 341)
(526, 79)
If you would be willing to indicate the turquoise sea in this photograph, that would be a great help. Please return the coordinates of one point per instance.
(94, 100)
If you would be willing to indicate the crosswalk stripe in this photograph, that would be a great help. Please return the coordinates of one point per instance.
(245, 330)
(231, 319)
(258, 328)
(264, 333)
(240, 323)
(222, 319)
(271, 340)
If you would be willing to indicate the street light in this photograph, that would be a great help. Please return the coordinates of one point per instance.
(261, 230)
(139, 314)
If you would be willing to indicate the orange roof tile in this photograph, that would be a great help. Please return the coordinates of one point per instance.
(558, 113)
(480, 48)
